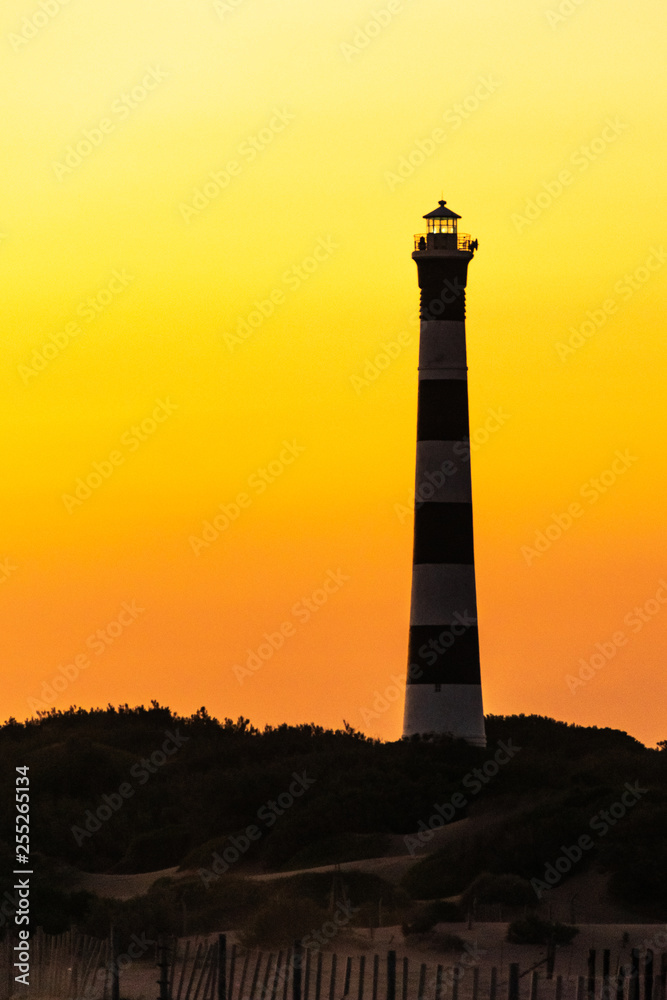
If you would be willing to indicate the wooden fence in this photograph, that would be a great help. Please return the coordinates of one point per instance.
(73, 966)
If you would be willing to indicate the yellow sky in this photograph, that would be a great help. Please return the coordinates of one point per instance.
(246, 312)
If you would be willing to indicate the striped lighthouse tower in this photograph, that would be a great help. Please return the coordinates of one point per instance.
(444, 693)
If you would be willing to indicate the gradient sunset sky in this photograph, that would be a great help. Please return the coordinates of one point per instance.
(166, 333)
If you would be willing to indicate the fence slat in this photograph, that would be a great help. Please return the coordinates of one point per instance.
(648, 975)
(534, 985)
(318, 976)
(422, 982)
(348, 976)
(267, 973)
(332, 981)
(391, 975)
(306, 975)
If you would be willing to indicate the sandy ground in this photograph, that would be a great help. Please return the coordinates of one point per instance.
(119, 886)
(485, 949)
(581, 898)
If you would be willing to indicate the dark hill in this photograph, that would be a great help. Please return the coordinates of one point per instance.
(138, 789)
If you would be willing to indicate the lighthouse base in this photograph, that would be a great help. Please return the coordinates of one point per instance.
(447, 709)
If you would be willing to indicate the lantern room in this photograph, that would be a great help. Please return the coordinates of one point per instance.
(442, 219)
(443, 235)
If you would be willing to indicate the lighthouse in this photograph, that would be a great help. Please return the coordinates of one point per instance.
(443, 692)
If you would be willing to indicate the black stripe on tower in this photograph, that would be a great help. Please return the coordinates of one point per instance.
(443, 297)
(442, 409)
(443, 533)
(438, 656)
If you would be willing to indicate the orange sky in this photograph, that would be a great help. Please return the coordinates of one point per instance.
(205, 242)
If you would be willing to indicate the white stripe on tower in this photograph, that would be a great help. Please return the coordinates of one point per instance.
(444, 692)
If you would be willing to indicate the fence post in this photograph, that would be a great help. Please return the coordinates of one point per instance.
(662, 981)
(277, 974)
(648, 975)
(620, 982)
(438, 983)
(591, 975)
(297, 955)
(163, 966)
(606, 963)
(172, 965)
(534, 985)
(391, 975)
(513, 985)
(551, 956)
(422, 982)
(362, 973)
(493, 984)
(348, 976)
(332, 982)
(318, 977)
(222, 967)
(405, 979)
(634, 979)
(306, 976)
(115, 984)
(255, 977)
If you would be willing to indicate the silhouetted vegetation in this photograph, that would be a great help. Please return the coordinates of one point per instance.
(532, 930)
(139, 789)
(426, 916)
